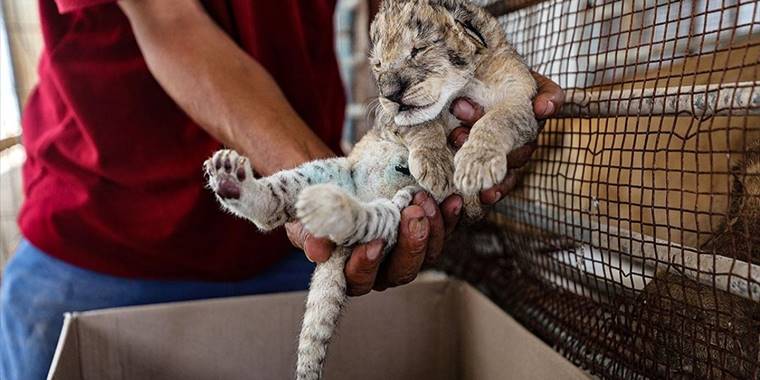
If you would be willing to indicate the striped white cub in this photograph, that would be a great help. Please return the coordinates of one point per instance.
(355, 199)
(425, 54)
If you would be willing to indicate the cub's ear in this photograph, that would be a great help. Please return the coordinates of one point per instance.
(472, 32)
(385, 4)
(463, 16)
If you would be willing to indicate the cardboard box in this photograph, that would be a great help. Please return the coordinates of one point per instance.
(440, 329)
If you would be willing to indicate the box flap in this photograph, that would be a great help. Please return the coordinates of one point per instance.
(427, 330)
(66, 365)
(492, 345)
(399, 334)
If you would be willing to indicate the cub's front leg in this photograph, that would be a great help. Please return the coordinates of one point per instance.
(431, 160)
(481, 163)
(270, 201)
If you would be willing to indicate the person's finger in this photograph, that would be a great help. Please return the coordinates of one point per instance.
(296, 234)
(361, 267)
(318, 250)
(494, 194)
(520, 156)
(435, 221)
(549, 98)
(405, 261)
(458, 136)
(451, 209)
(466, 111)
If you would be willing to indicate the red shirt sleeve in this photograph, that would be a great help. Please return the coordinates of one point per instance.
(65, 6)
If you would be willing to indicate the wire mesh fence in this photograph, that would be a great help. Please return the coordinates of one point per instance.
(632, 244)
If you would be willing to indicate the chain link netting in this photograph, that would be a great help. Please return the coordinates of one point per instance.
(632, 243)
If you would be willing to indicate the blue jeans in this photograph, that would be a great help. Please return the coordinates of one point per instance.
(37, 289)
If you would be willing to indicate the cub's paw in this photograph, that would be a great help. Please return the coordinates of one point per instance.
(328, 211)
(433, 170)
(228, 172)
(478, 168)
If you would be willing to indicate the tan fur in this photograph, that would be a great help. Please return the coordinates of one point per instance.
(425, 54)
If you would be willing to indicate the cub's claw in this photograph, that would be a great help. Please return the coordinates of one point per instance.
(477, 169)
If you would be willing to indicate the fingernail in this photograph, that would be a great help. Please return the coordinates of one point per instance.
(429, 206)
(418, 228)
(461, 139)
(420, 198)
(373, 251)
(457, 207)
(303, 246)
(547, 110)
(495, 198)
(463, 110)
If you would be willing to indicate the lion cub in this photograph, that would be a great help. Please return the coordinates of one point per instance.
(350, 200)
(425, 54)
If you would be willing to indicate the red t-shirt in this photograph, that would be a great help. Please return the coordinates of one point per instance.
(113, 178)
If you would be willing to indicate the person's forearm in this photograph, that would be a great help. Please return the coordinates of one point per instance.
(223, 89)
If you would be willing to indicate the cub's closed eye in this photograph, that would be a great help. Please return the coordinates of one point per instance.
(403, 170)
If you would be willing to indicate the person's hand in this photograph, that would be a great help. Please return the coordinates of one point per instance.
(424, 225)
(422, 231)
(546, 103)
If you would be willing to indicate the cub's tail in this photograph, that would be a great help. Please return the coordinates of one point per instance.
(326, 298)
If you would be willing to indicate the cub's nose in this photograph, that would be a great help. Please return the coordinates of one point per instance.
(396, 95)
(393, 88)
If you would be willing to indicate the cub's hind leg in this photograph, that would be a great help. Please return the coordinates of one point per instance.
(270, 201)
(328, 211)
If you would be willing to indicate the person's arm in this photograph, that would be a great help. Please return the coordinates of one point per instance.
(223, 89)
(232, 97)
